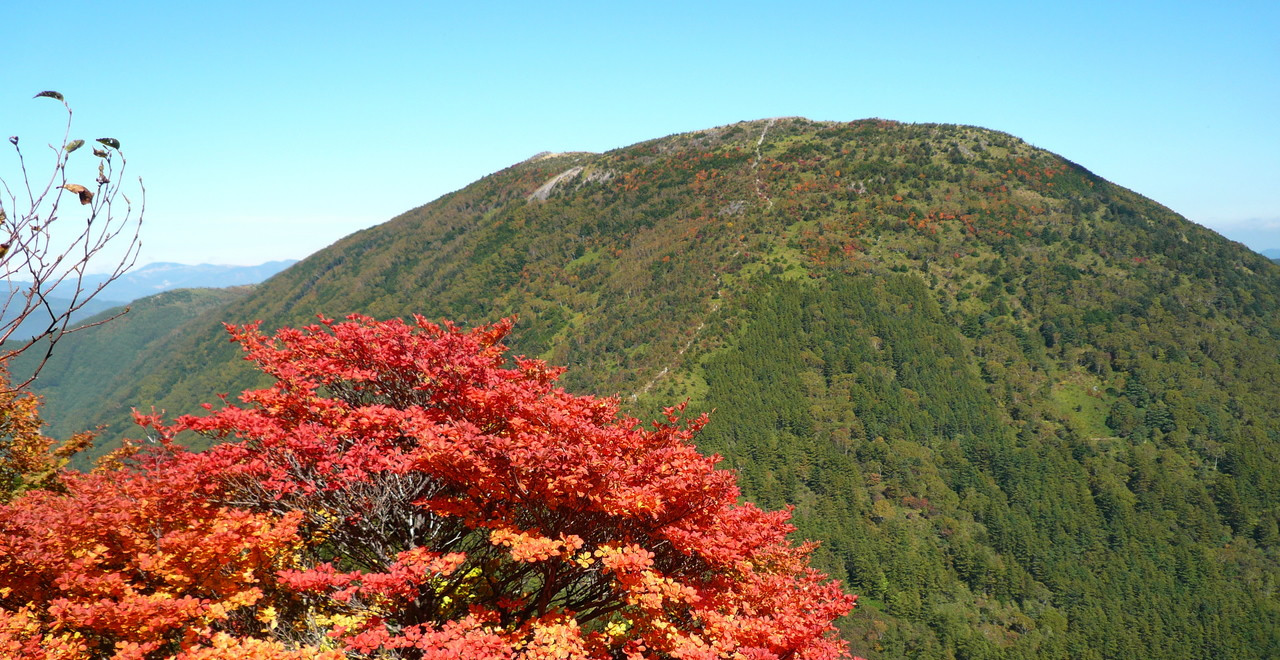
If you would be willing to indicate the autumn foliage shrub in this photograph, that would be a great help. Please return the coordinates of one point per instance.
(28, 458)
(127, 564)
(403, 491)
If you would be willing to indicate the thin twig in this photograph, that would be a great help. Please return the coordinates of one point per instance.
(55, 266)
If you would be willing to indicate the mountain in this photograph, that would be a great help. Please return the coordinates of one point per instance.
(163, 276)
(91, 363)
(38, 321)
(1028, 412)
(141, 282)
(1272, 254)
(156, 277)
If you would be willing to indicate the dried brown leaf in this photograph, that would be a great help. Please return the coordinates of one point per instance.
(86, 196)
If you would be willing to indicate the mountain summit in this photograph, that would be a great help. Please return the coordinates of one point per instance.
(1029, 413)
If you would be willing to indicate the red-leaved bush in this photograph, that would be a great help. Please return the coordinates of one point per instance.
(402, 492)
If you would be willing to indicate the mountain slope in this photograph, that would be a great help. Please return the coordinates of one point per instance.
(89, 365)
(1029, 412)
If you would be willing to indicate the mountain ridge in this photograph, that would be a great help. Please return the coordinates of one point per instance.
(138, 283)
(157, 277)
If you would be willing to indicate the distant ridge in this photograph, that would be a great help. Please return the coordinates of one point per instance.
(156, 277)
(146, 281)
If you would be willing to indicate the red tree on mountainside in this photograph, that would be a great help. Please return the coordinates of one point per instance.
(401, 492)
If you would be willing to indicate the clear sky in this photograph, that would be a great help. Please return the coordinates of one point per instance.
(268, 130)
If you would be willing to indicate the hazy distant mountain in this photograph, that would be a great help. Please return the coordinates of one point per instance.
(146, 281)
(1028, 412)
(162, 276)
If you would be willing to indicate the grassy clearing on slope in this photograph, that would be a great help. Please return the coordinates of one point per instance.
(1083, 405)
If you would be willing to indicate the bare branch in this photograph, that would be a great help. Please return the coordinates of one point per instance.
(44, 261)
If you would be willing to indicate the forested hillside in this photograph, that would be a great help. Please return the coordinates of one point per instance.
(91, 365)
(1029, 413)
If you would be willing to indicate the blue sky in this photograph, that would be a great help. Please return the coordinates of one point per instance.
(270, 130)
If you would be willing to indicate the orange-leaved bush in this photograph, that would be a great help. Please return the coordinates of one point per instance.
(420, 497)
(137, 564)
(28, 458)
